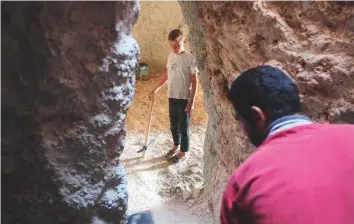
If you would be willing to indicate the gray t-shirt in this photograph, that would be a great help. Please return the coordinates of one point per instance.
(179, 70)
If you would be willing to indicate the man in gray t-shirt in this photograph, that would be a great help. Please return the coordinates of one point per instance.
(182, 85)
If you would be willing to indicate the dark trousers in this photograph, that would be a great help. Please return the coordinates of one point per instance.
(179, 122)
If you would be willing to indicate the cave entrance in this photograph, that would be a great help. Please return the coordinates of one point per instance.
(154, 183)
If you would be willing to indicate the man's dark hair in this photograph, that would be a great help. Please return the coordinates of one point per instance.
(268, 88)
(174, 34)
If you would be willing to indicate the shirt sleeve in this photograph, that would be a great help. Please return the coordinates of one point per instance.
(193, 66)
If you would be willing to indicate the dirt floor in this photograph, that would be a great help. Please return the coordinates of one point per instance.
(172, 193)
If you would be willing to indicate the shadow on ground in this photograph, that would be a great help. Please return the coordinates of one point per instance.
(138, 164)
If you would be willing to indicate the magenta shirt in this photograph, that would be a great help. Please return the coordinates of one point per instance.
(303, 175)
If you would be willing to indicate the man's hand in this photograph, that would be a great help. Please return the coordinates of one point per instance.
(163, 81)
(189, 107)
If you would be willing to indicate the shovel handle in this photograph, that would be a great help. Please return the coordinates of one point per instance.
(149, 123)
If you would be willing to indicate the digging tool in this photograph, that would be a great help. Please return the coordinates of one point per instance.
(143, 150)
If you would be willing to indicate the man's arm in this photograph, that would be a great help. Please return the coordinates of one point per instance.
(194, 83)
(231, 213)
(162, 82)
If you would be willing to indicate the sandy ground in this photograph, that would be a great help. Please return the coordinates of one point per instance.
(160, 187)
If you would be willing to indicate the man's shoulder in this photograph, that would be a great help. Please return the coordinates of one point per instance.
(188, 55)
(277, 155)
(277, 148)
(335, 127)
(267, 154)
(311, 133)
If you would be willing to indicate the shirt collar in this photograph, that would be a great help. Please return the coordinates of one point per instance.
(285, 123)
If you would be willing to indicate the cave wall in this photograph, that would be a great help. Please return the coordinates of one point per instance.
(68, 77)
(156, 20)
(312, 41)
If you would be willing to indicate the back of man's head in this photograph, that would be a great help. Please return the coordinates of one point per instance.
(267, 88)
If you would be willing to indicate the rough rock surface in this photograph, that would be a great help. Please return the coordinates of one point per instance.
(156, 20)
(68, 77)
(312, 41)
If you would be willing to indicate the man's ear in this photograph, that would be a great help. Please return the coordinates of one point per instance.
(259, 117)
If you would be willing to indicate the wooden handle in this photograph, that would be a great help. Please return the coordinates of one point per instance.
(149, 123)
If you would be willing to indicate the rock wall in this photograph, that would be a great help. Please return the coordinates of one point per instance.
(312, 41)
(155, 21)
(68, 77)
